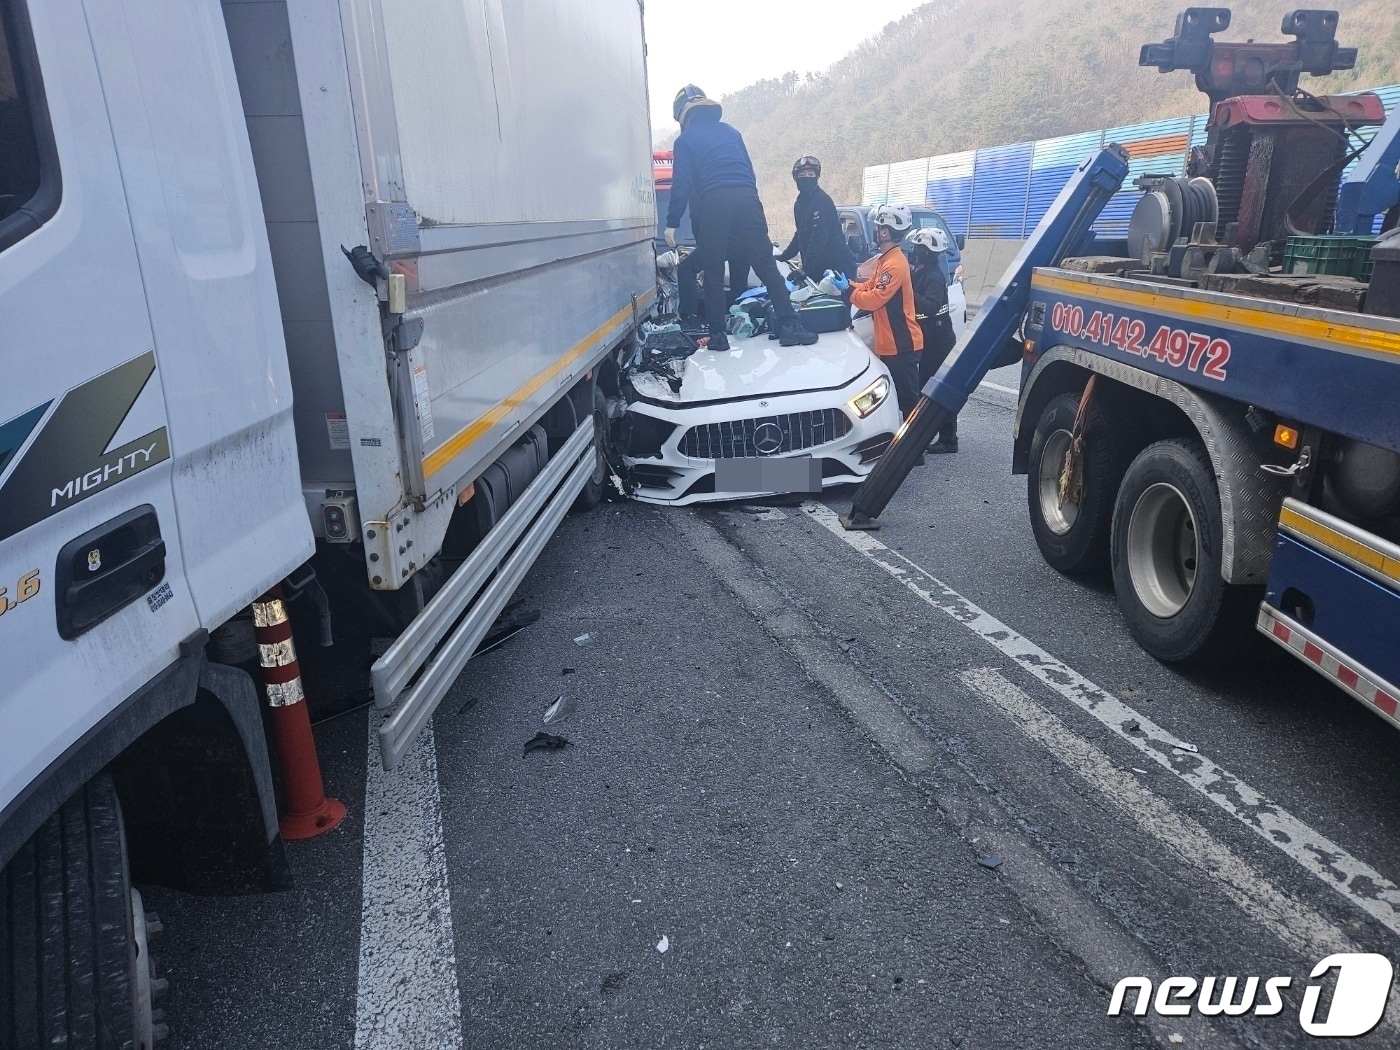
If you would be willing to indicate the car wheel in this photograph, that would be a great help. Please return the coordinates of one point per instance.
(594, 489)
(75, 969)
(1073, 537)
(1166, 556)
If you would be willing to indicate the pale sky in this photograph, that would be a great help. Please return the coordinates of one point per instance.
(723, 45)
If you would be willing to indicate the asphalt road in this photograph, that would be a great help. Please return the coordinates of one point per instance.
(915, 792)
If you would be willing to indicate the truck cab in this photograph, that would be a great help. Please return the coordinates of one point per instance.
(663, 162)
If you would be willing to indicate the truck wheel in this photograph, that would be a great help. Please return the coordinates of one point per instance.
(1073, 537)
(72, 968)
(594, 489)
(1166, 555)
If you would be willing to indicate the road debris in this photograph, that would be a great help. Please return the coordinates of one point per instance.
(991, 861)
(545, 742)
(582, 639)
(663, 945)
(513, 619)
(1189, 749)
(561, 709)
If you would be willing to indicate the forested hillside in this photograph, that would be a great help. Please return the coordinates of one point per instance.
(958, 74)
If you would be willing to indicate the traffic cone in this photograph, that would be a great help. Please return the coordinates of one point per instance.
(308, 811)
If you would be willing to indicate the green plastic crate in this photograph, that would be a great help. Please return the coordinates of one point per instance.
(1330, 254)
(1361, 262)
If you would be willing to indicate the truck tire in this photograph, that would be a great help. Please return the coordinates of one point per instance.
(73, 970)
(1166, 556)
(1074, 538)
(596, 487)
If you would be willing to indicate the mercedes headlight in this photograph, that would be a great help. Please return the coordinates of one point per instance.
(871, 398)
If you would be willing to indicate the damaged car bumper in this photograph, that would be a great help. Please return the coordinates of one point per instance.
(738, 447)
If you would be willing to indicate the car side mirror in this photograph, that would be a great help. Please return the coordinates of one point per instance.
(961, 240)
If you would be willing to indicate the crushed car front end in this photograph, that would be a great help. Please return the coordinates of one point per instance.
(691, 425)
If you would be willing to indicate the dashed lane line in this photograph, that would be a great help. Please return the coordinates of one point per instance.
(1297, 925)
(1356, 881)
(407, 994)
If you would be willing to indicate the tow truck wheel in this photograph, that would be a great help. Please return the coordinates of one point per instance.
(1073, 536)
(593, 490)
(1166, 554)
(73, 969)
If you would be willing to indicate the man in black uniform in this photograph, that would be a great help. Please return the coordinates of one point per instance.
(688, 282)
(818, 239)
(924, 246)
(712, 167)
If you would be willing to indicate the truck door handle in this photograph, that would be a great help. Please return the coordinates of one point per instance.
(108, 568)
(150, 556)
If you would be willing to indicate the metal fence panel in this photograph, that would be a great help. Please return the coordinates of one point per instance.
(908, 182)
(1053, 161)
(875, 184)
(949, 188)
(1000, 182)
(1004, 191)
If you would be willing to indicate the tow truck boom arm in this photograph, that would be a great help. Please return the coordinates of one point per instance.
(1373, 187)
(1064, 231)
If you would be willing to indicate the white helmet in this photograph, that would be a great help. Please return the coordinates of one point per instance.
(896, 216)
(930, 237)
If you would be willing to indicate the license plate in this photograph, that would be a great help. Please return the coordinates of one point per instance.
(791, 474)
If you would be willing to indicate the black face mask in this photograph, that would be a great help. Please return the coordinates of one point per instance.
(806, 183)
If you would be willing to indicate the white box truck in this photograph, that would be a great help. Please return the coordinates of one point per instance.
(285, 285)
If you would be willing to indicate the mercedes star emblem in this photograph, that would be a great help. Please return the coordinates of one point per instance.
(768, 438)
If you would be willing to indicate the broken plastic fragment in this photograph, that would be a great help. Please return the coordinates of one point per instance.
(582, 639)
(561, 709)
(991, 861)
(545, 742)
(1191, 749)
(663, 945)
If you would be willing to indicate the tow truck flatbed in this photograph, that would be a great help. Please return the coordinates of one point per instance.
(1335, 369)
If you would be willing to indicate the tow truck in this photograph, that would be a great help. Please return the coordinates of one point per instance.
(1203, 414)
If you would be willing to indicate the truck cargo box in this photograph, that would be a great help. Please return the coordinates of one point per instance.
(496, 157)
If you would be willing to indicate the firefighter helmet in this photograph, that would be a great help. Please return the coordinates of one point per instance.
(930, 237)
(896, 216)
(684, 97)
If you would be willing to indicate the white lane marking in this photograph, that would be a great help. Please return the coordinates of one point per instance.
(997, 386)
(408, 996)
(1297, 925)
(1359, 883)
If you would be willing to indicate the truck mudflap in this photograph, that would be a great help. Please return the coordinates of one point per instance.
(1333, 589)
(415, 673)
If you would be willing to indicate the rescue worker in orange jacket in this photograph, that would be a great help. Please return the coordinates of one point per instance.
(889, 296)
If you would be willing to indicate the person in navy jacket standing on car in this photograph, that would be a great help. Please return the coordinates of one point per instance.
(713, 176)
